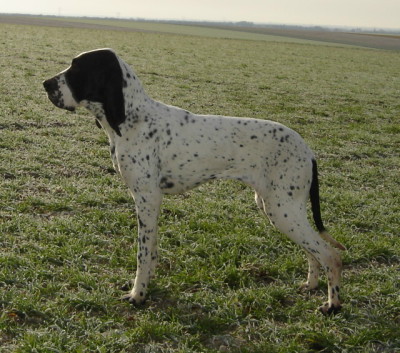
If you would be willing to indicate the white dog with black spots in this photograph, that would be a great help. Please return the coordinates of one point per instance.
(161, 149)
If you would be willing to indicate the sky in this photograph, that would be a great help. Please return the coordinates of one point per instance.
(349, 13)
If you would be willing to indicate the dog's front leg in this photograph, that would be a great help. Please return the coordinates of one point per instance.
(147, 208)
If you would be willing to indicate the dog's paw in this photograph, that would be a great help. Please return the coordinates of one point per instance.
(329, 310)
(134, 300)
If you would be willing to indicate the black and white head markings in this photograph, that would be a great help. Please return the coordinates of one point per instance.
(161, 149)
(93, 78)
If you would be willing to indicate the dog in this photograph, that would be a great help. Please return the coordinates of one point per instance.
(161, 149)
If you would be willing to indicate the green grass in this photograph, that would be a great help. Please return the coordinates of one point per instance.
(227, 281)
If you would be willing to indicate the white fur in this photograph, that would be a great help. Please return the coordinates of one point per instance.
(66, 93)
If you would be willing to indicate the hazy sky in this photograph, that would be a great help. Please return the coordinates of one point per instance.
(354, 13)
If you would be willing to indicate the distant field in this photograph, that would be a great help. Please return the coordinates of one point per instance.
(154, 27)
(377, 41)
(248, 33)
(227, 281)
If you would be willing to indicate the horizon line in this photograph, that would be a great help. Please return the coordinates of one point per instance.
(244, 23)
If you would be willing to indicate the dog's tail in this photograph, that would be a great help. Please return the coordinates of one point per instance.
(316, 210)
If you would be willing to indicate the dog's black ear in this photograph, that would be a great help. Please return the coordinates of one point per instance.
(114, 102)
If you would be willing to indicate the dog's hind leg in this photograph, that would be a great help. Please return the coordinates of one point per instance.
(313, 273)
(291, 219)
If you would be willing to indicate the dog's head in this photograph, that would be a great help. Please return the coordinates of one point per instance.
(93, 77)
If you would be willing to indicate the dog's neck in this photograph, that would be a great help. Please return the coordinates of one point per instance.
(139, 107)
(132, 88)
(96, 108)
(135, 99)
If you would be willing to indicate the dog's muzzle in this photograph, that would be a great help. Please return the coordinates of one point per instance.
(52, 88)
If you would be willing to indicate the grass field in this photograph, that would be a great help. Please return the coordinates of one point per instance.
(227, 281)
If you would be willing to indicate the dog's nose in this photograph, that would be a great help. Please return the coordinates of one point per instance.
(50, 85)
